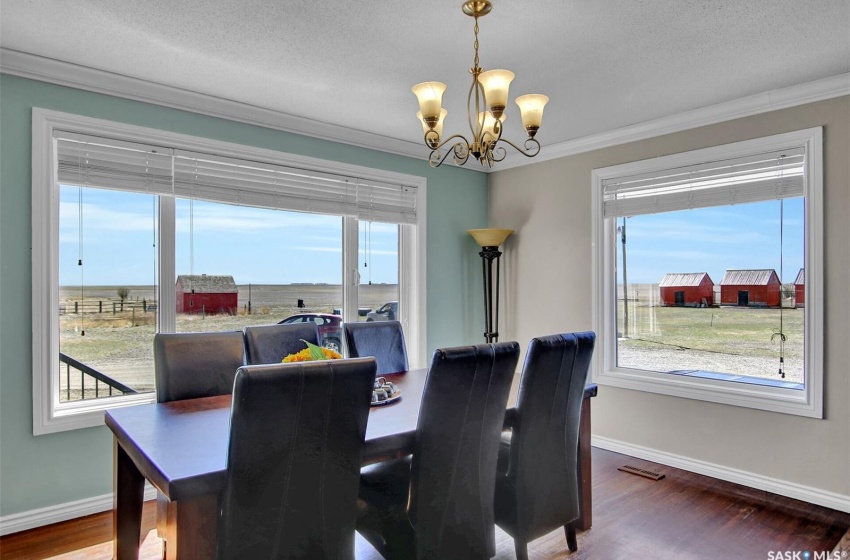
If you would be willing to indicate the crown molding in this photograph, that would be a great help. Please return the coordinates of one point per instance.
(53, 71)
(800, 94)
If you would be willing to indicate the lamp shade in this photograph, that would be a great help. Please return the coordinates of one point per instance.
(430, 95)
(489, 125)
(531, 107)
(438, 128)
(490, 237)
(496, 84)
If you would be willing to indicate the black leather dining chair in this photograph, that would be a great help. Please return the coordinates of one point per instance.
(293, 460)
(382, 339)
(195, 365)
(269, 344)
(438, 504)
(537, 487)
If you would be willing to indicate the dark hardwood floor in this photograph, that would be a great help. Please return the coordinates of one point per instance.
(683, 516)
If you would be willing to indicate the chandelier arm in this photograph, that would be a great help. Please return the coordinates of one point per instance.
(532, 147)
(498, 152)
(475, 118)
(460, 151)
(447, 140)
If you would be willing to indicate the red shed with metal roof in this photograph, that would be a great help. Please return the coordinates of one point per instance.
(201, 293)
(688, 289)
(750, 288)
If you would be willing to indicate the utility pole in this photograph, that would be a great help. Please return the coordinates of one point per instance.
(622, 231)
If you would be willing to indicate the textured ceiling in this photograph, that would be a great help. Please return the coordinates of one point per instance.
(605, 64)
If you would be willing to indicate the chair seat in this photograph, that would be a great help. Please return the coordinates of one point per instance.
(382, 508)
(386, 484)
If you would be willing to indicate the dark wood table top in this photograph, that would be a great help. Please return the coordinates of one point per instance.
(181, 446)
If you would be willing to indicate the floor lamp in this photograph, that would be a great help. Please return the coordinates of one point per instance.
(489, 240)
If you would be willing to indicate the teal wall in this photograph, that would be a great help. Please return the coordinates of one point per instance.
(37, 472)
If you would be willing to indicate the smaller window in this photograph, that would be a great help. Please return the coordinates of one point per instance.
(697, 256)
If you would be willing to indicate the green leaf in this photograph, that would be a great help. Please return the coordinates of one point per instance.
(315, 351)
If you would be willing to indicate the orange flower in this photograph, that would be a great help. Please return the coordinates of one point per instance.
(311, 353)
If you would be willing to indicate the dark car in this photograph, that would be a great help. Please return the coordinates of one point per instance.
(330, 327)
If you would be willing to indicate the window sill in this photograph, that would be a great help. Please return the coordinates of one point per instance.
(756, 393)
(83, 414)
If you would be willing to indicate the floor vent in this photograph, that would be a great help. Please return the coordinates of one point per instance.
(640, 472)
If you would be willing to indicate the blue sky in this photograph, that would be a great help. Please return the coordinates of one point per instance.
(274, 247)
(744, 236)
(253, 245)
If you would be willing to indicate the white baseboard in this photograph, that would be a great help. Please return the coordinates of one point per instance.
(808, 494)
(61, 512)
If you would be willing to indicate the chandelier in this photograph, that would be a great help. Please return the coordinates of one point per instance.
(485, 107)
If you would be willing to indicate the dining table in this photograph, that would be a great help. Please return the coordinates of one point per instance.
(180, 448)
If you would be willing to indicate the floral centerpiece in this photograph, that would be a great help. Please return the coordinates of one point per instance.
(312, 353)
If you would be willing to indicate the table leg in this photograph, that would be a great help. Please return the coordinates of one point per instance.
(189, 527)
(585, 484)
(128, 486)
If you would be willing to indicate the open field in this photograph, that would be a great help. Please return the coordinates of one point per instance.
(736, 340)
(120, 344)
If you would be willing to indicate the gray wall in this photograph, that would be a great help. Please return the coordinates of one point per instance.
(37, 472)
(549, 290)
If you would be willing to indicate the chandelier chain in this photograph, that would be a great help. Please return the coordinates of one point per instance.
(475, 44)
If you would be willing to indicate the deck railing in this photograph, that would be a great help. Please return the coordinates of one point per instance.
(86, 371)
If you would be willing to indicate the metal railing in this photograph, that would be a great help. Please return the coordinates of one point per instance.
(88, 371)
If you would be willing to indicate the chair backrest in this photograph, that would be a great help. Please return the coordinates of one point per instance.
(544, 443)
(453, 471)
(269, 344)
(293, 461)
(382, 339)
(194, 365)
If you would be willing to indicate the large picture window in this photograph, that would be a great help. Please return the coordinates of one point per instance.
(708, 274)
(138, 231)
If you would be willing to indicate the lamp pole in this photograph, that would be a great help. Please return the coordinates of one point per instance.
(489, 240)
(491, 312)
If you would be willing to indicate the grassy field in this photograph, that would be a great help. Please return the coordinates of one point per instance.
(737, 340)
(120, 344)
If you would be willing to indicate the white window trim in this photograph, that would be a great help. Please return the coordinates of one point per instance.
(808, 402)
(48, 415)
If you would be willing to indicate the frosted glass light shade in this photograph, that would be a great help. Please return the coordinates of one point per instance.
(430, 96)
(438, 128)
(489, 124)
(496, 84)
(490, 237)
(531, 107)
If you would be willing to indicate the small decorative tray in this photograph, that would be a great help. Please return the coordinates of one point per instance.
(384, 392)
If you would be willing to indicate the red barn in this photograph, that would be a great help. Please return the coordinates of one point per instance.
(750, 288)
(206, 294)
(800, 289)
(689, 289)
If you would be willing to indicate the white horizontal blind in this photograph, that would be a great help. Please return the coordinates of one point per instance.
(235, 181)
(112, 164)
(765, 176)
(384, 202)
(115, 164)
